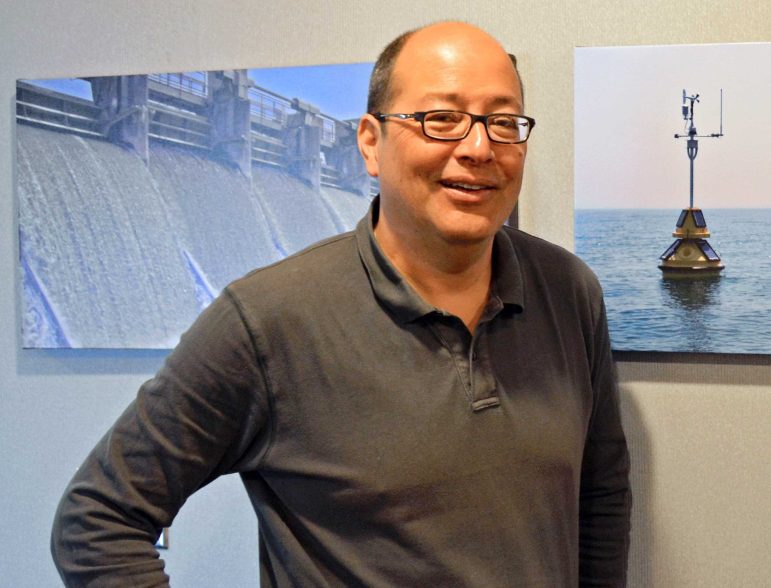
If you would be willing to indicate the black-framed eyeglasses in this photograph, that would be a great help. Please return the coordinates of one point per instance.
(455, 125)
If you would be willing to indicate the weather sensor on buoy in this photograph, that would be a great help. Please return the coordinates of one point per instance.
(691, 255)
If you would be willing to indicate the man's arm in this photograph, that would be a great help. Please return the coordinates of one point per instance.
(605, 493)
(201, 416)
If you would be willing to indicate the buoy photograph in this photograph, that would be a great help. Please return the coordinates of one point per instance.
(673, 193)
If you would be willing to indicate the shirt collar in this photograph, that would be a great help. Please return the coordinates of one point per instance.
(395, 293)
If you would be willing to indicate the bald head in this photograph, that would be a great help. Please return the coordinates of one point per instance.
(432, 42)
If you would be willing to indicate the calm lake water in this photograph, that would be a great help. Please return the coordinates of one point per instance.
(728, 314)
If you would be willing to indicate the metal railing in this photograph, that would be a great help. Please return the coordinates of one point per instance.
(51, 109)
(193, 82)
(268, 106)
(328, 131)
(267, 149)
(55, 118)
(178, 126)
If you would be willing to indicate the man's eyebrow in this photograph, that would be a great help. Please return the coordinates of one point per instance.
(493, 102)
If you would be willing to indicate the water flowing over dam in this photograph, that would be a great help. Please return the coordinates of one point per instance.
(119, 251)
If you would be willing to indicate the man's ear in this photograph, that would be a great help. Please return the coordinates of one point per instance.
(368, 137)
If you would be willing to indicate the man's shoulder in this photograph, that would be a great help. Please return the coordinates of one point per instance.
(551, 262)
(325, 265)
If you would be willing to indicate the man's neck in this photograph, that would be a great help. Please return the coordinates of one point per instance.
(452, 277)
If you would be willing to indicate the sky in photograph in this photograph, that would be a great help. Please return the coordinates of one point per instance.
(339, 91)
(69, 86)
(628, 107)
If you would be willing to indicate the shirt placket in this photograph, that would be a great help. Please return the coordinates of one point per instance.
(471, 355)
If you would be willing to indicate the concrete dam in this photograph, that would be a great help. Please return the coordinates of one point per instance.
(122, 247)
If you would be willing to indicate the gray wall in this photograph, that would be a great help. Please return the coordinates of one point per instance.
(698, 426)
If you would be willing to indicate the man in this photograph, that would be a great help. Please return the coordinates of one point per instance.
(427, 401)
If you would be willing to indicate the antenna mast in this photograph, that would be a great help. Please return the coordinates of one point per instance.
(692, 144)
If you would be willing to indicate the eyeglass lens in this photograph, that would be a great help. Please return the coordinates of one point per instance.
(506, 128)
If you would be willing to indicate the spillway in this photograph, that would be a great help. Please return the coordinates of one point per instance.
(116, 252)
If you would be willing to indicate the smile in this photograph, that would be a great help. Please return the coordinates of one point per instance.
(466, 186)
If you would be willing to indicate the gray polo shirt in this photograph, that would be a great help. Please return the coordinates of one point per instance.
(379, 442)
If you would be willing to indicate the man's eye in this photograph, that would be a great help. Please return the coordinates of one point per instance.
(446, 117)
(504, 122)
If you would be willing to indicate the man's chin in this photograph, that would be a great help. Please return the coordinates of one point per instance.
(470, 234)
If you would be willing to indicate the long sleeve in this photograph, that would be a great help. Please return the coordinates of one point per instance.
(605, 499)
(203, 415)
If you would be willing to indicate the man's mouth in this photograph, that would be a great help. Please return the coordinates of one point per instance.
(467, 187)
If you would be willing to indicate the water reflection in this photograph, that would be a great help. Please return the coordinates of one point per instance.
(691, 294)
(694, 301)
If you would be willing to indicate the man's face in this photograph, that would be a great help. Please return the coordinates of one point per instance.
(460, 191)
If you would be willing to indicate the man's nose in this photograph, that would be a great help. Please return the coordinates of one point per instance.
(477, 145)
